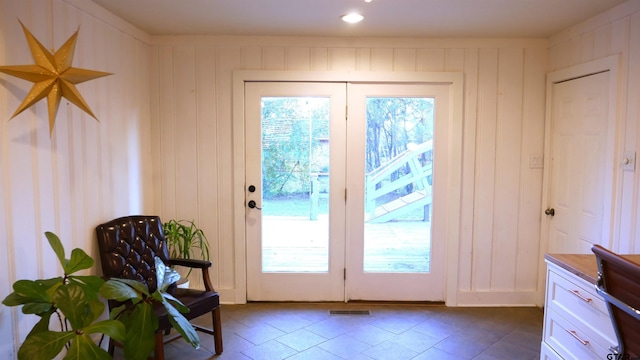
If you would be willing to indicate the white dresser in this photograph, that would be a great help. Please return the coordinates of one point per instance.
(576, 320)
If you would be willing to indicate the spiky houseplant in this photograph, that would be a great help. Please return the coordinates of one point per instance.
(185, 241)
(75, 301)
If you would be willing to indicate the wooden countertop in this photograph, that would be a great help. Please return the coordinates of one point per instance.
(582, 265)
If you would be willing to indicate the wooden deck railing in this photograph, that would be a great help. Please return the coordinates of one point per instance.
(380, 182)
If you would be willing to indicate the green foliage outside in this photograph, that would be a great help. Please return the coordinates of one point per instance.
(292, 145)
(296, 132)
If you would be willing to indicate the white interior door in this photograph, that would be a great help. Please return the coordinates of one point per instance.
(397, 188)
(295, 175)
(580, 194)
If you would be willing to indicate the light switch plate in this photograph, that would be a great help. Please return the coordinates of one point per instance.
(536, 161)
(629, 161)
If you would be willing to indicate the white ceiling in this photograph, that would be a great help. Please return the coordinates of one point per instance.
(389, 18)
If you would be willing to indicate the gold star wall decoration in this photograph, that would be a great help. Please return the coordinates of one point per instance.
(52, 77)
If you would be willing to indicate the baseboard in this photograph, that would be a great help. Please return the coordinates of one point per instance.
(496, 298)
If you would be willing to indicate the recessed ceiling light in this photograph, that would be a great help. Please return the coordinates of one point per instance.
(352, 18)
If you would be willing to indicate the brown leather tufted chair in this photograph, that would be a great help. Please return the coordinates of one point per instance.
(128, 246)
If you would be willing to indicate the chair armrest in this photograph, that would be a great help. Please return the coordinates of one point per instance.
(197, 264)
(192, 263)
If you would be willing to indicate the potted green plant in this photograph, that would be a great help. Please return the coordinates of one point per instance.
(75, 302)
(185, 241)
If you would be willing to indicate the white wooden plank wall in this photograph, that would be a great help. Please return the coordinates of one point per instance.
(504, 123)
(616, 31)
(86, 172)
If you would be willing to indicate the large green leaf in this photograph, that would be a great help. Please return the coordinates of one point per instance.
(175, 302)
(79, 261)
(72, 301)
(84, 348)
(15, 299)
(113, 328)
(182, 325)
(115, 312)
(57, 247)
(36, 308)
(35, 290)
(141, 326)
(119, 290)
(44, 345)
(91, 284)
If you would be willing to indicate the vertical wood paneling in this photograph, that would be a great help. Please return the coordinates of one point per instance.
(273, 58)
(454, 60)
(208, 152)
(251, 58)
(430, 60)
(404, 60)
(495, 151)
(319, 59)
(342, 59)
(363, 59)
(508, 169)
(79, 175)
(381, 59)
(298, 58)
(485, 170)
(601, 42)
(533, 100)
(167, 119)
(471, 71)
(225, 63)
(186, 130)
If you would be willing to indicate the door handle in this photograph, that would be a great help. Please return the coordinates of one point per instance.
(550, 211)
(252, 204)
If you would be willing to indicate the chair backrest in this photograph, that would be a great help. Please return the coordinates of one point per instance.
(128, 247)
(619, 285)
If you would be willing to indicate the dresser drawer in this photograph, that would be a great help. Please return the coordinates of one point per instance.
(570, 341)
(578, 302)
(547, 353)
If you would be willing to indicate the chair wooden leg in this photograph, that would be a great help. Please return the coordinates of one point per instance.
(158, 351)
(112, 347)
(217, 330)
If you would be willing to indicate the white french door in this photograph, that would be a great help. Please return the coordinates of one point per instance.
(295, 172)
(395, 205)
(345, 208)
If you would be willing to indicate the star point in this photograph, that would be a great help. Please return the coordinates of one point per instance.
(52, 76)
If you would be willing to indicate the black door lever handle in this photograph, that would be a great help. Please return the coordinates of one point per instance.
(252, 204)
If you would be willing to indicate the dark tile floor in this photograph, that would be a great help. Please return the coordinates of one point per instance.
(308, 331)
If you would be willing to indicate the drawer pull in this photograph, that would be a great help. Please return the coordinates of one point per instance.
(582, 297)
(575, 335)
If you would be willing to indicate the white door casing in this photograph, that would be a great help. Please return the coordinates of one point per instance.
(585, 206)
(452, 174)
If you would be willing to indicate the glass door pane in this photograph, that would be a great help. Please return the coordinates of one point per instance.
(295, 184)
(398, 179)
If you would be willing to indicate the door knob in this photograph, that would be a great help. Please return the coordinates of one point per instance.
(550, 211)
